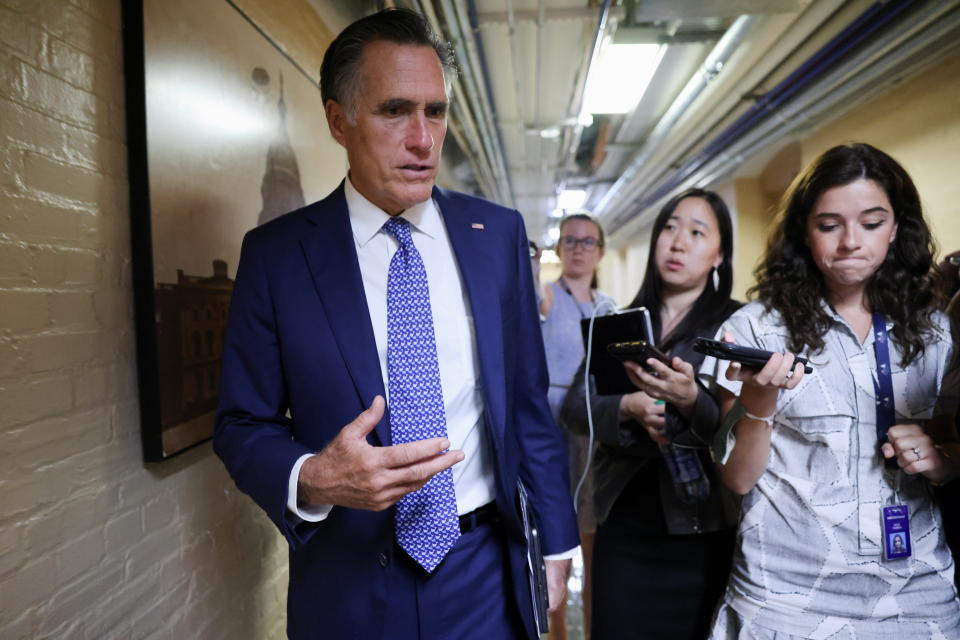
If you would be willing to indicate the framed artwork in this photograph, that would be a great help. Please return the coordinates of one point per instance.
(225, 132)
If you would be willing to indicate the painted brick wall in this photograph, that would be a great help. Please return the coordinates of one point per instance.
(93, 544)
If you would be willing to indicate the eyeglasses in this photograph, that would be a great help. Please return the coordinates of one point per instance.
(570, 242)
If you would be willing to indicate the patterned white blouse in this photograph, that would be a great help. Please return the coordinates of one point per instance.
(809, 562)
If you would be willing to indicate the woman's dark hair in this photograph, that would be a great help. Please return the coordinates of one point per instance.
(713, 305)
(588, 217)
(340, 69)
(789, 281)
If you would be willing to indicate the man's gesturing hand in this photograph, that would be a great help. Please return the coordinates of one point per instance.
(349, 472)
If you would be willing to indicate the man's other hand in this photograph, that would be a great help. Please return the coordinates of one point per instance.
(349, 472)
(558, 571)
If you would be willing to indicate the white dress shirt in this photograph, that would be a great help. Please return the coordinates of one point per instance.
(473, 478)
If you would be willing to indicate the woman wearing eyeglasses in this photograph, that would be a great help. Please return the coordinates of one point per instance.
(665, 534)
(572, 297)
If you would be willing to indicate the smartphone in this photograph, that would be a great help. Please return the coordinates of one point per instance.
(747, 356)
(638, 351)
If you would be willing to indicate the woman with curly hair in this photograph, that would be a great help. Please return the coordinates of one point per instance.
(829, 462)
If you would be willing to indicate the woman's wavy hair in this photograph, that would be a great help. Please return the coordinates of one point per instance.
(902, 289)
(713, 305)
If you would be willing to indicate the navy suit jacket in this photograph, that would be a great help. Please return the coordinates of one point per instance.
(299, 338)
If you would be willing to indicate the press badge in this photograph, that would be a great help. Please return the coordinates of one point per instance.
(895, 524)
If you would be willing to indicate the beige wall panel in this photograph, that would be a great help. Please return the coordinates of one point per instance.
(295, 27)
(918, 123)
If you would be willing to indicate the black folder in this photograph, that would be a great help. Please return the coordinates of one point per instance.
(536, 569)
(625, 326)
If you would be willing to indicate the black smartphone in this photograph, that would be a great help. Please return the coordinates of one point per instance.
(747, 356)
(638, 351)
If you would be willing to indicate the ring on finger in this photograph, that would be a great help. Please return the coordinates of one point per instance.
(916, 452)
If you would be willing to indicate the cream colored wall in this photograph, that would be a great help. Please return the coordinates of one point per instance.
(93, 543)
(753, 213)
(621, 271)
(918, 123)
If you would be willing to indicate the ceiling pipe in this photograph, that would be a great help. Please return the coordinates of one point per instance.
(475, 99)
(863, 79)
(875, 17)
(467, 23)
(489, 106)
(538, 78)
(573, 134)
(517, 84)
(475, 148)
(866, 75)
(711, 68)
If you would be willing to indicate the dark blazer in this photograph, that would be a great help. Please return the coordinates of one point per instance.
(299, 339)
(623, 448)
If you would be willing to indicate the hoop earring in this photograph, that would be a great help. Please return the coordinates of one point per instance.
(716, 279)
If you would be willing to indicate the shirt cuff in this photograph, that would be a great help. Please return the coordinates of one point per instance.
(566, 555)
(308, 513)
(725, 440)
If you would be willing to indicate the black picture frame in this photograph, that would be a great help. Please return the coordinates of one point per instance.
(191, 177)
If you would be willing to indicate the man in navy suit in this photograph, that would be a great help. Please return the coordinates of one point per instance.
(391, 287)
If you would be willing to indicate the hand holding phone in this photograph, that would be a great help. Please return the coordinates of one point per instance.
(638, 351)
(748, 357)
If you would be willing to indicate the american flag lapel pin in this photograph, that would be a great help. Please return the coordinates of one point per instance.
(477, 225)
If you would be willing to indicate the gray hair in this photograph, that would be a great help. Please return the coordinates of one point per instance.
(340, 71)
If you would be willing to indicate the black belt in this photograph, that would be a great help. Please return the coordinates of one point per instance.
(487, 514)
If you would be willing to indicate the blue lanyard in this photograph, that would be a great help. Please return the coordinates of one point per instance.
(883, 384)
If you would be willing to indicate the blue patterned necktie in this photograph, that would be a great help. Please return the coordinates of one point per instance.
(426, 520)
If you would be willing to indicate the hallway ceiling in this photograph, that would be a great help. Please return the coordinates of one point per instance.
(518, 130)
(537, 55)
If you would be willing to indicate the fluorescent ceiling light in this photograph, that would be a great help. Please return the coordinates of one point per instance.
(570, 199)
(553, 233)
(620, 76)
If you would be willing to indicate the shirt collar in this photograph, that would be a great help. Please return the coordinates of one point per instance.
(367, 219)
(838, 319)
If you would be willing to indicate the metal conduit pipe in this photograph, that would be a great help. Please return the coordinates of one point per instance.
(473, 147)
(884, 77)
(573, 140)
(474, 23)
(675, 147)
(712, 66)
(541, 8)
(483, 179)
(470, 91)
(478, 101)
(488, 106)
(937, 33)
(877, 68)
(484, 103)
(517, 84)
(874, 18)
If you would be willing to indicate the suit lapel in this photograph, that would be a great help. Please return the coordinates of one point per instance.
(331, 253)
(476, 261)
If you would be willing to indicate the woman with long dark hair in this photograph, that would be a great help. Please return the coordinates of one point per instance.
(664, 537)
(836, 464)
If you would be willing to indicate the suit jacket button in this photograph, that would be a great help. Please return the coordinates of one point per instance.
(383, 559)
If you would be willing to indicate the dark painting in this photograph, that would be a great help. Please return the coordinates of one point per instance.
(225, 132)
